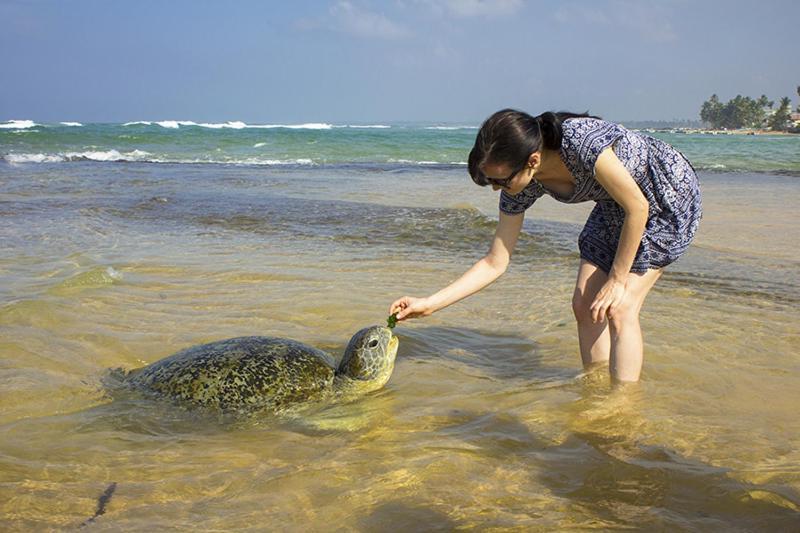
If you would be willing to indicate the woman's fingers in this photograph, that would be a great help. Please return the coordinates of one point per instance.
(398, 305)
(410, 307)
(613, 305)
(598, 310)
(597, 307)
(606, 301)
(403, 307)
(408, 311)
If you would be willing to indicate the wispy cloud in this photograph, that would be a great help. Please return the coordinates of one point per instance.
(474, 8)
(346, 17)
(568, 13)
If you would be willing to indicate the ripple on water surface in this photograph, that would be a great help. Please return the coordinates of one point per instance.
(488, 420)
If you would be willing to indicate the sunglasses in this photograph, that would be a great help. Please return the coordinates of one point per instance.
(502, 182)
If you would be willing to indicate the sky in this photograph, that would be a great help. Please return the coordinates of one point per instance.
(370, 61)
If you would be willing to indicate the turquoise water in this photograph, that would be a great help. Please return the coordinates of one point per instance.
(334, 144)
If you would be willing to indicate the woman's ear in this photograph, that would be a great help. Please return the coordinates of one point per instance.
(534, 160)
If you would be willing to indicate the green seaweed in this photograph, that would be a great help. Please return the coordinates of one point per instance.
(391, 322)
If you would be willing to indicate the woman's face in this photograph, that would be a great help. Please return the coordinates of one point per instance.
(503, 176)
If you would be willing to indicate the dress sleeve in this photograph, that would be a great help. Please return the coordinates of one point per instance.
(517, 203)
(588, 137)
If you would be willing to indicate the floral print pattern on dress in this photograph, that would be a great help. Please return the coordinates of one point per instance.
(664, 175)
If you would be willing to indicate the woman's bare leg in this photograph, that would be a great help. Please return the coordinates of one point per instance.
(618, 339)
(627, 346)
(594, 338)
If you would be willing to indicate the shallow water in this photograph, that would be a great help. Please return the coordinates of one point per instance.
(488, 421)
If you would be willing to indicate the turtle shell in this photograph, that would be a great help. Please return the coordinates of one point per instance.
(245, 373)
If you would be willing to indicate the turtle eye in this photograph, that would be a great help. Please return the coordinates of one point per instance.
(373, 343)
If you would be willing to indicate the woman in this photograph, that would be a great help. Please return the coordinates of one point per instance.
(647, 212)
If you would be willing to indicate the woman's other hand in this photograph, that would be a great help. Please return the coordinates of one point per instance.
(608, 298)
(410, 307)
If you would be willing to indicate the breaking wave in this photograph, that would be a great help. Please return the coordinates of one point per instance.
(108, 155)
(140, 156)
(18, 124)
(236, 125)
(451, 128)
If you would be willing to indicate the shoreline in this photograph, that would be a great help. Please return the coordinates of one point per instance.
(704, 131)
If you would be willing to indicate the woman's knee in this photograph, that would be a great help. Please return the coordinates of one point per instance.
(581, 304)
(624, 315)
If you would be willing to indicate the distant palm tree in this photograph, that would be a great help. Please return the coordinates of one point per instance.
(779, 121)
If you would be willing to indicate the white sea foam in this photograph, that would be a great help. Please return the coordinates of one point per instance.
(171, 124)
(175, 124)
(33, 158)
(259, 145)
(307, 126)
(236, 125)
(250, 161)
(18, 124)
(71, 124)
(270, 162)
(412, 162)
(108, 155)
(141, 156)
(365, 126)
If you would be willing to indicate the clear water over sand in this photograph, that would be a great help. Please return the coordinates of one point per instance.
(488, 421)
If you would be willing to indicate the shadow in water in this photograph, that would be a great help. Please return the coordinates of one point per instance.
(500, 355)
(634, 483)
(619, 481)
(406, 516)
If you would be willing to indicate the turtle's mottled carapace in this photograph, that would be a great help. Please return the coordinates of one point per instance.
(256, 373)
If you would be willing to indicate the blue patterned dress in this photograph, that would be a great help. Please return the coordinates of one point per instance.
(664, 175)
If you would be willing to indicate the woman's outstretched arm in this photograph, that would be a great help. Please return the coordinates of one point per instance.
(481, 274)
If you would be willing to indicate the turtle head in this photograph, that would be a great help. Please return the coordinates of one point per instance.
(369, 358)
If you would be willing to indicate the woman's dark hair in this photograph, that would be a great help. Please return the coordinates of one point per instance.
(510, 136)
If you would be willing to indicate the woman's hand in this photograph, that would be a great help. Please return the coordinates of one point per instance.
(608, 298)
(410, 307)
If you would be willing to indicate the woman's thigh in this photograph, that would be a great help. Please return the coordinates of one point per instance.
(591, 279)
(638, 285)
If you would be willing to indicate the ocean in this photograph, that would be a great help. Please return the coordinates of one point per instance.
(323, 144)
(123, 243)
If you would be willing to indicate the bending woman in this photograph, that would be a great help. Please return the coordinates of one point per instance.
(647, 210)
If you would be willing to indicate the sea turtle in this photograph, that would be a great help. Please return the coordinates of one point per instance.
(248, 374)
